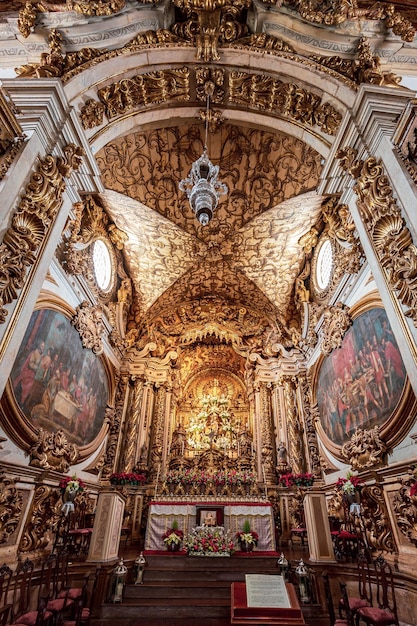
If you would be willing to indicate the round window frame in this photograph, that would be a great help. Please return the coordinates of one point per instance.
(320, 289)
(108, 288)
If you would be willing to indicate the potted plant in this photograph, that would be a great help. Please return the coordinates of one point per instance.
(350, 487)
(247, 538)
(173, 537)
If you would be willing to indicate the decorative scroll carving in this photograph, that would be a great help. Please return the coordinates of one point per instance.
(375, 520)
(144, 89)
(295, 446)
(311, 434)
(210, 23)
(52, 451)
(92, 114)
(336, 321)
(365, 69)
(405, 509)
(213, 76)
(11, 135)
(267, 93)
(365, 449)
(132, 427)
(158, 430)
(44, 517)
(335, 12)
(11, 504)
(264, 42)
(88, 320)
(27, 15)
(30, 223)
(391, 239)
(114, 417)
(267, 434)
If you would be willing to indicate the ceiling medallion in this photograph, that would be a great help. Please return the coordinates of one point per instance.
(201, 185)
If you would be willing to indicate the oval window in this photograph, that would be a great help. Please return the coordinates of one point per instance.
(102, 265)
(324, 264)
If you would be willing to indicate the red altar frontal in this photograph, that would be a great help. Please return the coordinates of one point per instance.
(231, 515)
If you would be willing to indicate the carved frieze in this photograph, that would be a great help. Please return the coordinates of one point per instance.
(92, 114)
(365, 449)
(375, 520)
(335, 12)
(43, 518)
(31, 221)
(144, 89)
(209, 24)
(88, 320)
(405, 509)
(114, 418)
(11, 134)
(262, 91)
(387, 230)
(336, 321)
(11, 504)
(215, 78)
(52, 451)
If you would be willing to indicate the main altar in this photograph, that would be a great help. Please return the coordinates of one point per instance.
(230, 514)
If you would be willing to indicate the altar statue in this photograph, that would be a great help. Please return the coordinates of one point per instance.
(209, 519)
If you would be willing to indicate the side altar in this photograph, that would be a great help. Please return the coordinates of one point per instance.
(191, 513)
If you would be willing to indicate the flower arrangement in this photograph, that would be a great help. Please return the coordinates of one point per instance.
(209, 541)
(413, 487)
(173, 536)
(300, 480)
(247, 536)
(71, 483)
(127, 478)
(350, 484)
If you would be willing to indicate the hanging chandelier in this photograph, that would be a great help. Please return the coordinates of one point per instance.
(202, 187)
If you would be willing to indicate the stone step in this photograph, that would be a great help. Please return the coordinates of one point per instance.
(168, 608)
(210, 591)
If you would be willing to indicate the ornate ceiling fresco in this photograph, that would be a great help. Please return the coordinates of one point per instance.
(260, 168)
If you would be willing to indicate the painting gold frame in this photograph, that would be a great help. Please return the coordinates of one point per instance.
(396, 425)
(22, 427)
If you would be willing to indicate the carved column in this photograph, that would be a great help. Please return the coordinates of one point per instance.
(158, 426)
(267, 433)
(131, 431)
(311, 434)
(148, 398)
(115, 419)
(295, 437)
(166, 428)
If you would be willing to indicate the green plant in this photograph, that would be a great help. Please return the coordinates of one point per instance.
(174, 525)
(246, 526)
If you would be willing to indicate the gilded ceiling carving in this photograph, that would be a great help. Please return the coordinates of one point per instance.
(267, 93)
(213, 321)
(193, 359)
(262, 169)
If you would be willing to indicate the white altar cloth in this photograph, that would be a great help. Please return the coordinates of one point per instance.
(162, 515)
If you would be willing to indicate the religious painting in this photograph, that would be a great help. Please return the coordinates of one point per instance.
(210, 515)
(56, 383)
(361, 383)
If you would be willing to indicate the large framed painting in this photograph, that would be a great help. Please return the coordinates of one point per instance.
(56, 383)
(363, 384)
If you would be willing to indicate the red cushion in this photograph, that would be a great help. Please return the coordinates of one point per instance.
(73, 594)
(345, 534)
(30, 618)
(381, 617)
(341, 622)
(58, 604)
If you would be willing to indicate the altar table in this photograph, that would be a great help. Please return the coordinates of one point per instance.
(162, 515)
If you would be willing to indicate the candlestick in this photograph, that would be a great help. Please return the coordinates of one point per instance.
(263, 474)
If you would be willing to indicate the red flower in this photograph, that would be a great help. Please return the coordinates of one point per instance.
(413, 489)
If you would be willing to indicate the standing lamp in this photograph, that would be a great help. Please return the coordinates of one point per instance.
(284, 567)
(304, 581)
(140, 565)
(118, 582)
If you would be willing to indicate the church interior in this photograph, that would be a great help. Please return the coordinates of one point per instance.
(208, 333)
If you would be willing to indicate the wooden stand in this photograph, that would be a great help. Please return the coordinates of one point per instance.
(241, 613)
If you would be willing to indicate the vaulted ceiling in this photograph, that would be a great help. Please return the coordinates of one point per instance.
(280, 96)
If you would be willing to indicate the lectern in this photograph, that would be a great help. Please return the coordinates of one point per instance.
(241, 613)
